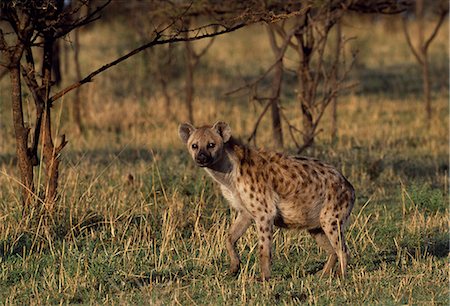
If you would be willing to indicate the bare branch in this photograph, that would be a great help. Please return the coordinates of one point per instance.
(279, 58)
(266, 107)
(442, 16)
(154, 42)
(408, 40)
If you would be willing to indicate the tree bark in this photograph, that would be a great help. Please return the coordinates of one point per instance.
(50, 152)
(276, 118)
(21, 133)
(306, 84)
(334, 102)
(76, 106)
(277, 81)
(189, 89)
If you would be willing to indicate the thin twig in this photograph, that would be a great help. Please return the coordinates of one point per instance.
(154, 42)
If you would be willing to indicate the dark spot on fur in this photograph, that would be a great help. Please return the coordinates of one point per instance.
(334, 223)
(252, 188)
(261, 229)
(266, 229)
(329, 197)
(285, 167)
(262, 218)
(314, 173)
(262, 239)
(330, 232)
(251, 196)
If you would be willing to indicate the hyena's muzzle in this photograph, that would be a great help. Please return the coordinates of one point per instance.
(203, 158)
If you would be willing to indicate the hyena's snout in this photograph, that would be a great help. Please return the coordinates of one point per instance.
(203, 158)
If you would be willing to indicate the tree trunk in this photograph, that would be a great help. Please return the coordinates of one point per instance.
(76, 106)
(420, 12)
(276, 90)
(50, 153)
(426, 87)
(189, 90)
(190, 66)
(334, 102)
(56, 63)
(306, 44)
(308, 125)
(276, 118)
(21, 133)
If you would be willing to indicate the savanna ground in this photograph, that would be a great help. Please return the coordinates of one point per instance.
(160, 237)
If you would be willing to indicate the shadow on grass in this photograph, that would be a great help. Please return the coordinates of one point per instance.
(436, 246)
(104, 157)
(19, 246)
(401, 80)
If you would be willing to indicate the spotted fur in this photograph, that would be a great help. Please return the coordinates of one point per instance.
(274, 189)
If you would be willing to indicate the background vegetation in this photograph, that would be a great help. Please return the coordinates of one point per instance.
(136, 221)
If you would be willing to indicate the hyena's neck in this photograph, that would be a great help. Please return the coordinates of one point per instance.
(223, 170)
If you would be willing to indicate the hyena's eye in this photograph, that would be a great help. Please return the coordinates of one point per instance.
(211, 145)
(194, 146)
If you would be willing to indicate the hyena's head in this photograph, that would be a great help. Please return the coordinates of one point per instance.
(205, 144)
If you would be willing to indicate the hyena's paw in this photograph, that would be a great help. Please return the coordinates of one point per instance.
(234, 268)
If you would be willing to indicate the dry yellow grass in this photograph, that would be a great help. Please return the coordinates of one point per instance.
(159, 238)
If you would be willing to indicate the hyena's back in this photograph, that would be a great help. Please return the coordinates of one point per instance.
(306, 189)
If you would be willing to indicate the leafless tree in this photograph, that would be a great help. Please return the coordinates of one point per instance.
(318, 83)
(37, 24)
(192, 59)
(334, 101)
(318, 80)
(277, 81)
(420, 50)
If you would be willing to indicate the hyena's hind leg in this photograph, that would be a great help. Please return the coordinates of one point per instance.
(324, 243)
(333, 222)
(336, 239)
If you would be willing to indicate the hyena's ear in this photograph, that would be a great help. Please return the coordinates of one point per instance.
(185, 130)
(223, 129)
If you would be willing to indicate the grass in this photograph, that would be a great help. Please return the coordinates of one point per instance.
(137, 222)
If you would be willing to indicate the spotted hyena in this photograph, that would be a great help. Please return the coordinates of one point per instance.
(270, 188)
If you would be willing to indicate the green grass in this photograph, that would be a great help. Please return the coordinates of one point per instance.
(160, 237)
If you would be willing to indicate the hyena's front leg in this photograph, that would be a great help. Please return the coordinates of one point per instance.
(237, 229)
(265, 231)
